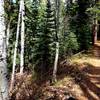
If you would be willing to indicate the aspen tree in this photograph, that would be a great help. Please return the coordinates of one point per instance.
(22, 37)
(57, 11)
(3, 64)
(15, 50)
(8, 33)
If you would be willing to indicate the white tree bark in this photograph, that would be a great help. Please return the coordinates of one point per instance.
(22, 38)
(57, 11)
(15, 51)
(8, 33)
(56, 61)
(3, 64)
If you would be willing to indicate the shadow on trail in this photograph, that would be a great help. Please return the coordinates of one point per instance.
(87, 84)
(90, 69)
(96, 50)
(84, 77)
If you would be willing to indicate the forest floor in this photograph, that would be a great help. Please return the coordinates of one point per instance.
(89, 64)
(79, 79)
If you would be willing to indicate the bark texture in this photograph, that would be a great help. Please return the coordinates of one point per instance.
(3, 64)
(22, 37)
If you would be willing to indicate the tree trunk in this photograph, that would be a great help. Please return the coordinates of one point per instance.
(15, 51)
(8, 33)
(56, 62)
(22, 38)
(95, 31)
(3, 64)
(95, 26)
(57, 12)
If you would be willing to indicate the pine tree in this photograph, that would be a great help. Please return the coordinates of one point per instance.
(31, 22)
(43, 44)
(83, 31)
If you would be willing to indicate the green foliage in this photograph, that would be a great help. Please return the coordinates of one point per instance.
(43, 41)
(71, 9)
(83, 24)
(11, 10)
(69, 44)
(79, 23)
(72, 28)
(71, 41)
(31, 23)
(95, 10)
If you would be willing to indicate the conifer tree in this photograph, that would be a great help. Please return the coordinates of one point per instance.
(82, 24)
(43, 44)
(32, 11)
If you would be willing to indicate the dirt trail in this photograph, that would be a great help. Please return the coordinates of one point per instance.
(90, 66)
(93, 73)
(82, 76)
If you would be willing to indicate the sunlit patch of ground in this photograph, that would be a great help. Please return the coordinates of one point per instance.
(69, 84)
(97, 43)
(89, 65)
(86, 59)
